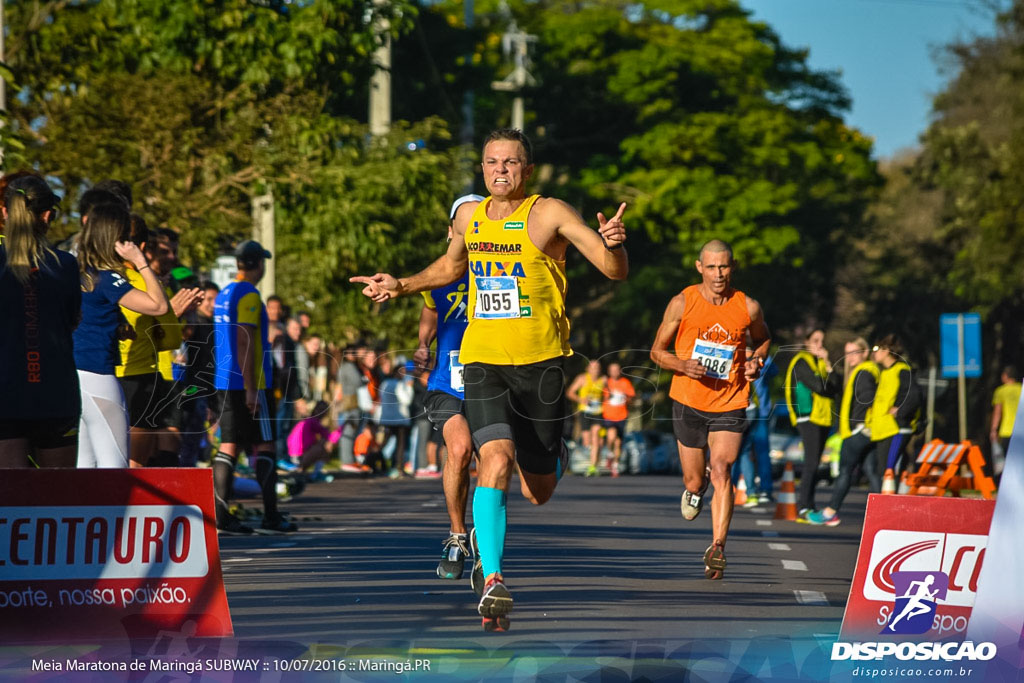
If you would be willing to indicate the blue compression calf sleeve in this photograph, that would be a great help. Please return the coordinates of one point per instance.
(489, 519)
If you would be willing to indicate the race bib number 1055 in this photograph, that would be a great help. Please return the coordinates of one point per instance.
(496, 298)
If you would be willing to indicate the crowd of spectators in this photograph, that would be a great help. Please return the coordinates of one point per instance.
(109, 362)
(109, 356)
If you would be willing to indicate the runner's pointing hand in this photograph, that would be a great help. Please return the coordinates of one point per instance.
(612, 231)
(379, 287)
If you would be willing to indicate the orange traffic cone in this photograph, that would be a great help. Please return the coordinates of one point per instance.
(785, 508)
(741, 492)
(889, 481)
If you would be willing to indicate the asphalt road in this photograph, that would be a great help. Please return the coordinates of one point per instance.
(607, 578)
(605, 559)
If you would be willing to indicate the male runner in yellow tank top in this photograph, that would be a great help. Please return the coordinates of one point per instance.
(514, 246)
(703, 340)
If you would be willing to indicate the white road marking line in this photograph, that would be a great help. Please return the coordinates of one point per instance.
(764, 522)
(778, 546)
(811, 598)
(759, 511)
(794, 565)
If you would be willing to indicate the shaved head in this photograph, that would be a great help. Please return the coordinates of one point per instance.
(716, 247)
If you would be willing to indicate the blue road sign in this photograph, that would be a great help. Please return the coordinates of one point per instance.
(972, 344)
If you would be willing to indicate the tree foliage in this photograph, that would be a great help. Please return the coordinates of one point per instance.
(953, 212)
(947, 233)
(201, 105)
(709, 127)
(702, 119)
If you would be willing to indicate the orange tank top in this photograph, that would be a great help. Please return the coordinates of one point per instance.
(717, 336)
(616, 405)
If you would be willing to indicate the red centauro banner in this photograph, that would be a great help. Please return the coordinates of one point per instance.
(108, 553)
(917, 534)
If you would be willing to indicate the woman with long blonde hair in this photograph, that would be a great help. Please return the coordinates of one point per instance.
(40, 303)
(103, 248)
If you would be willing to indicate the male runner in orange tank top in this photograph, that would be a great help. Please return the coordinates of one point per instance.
(703, 339)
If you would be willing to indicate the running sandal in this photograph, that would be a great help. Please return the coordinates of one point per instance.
(714, 561)
(495, 605)
(752, 501)
(591, 471)
(691, 503)
(818, 517)
(453, 559)
(476, 577)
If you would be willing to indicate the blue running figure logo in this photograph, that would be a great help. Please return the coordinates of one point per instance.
(917, 594)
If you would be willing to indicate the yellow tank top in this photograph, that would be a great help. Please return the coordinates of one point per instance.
(592, 395)
(139, 356)
(516, 293)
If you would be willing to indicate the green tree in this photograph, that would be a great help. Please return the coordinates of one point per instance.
(387, 213)
(201, 105)
(699, 117)
(710, 127)
(947, 232)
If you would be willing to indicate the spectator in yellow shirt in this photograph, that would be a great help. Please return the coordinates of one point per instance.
(1004, 410)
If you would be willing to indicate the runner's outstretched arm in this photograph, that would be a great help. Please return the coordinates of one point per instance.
(381, 286)
(604, 247)
(445, 270)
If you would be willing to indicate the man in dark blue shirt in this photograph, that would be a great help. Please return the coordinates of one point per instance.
(243, 374)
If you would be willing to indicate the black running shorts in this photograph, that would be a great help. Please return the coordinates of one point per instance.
(238, 425)
(618, 425)
(145, 398)
(170, 402)
(691, 426)
(524, 403)
(590, 421)
(441, 407)
(47, 432)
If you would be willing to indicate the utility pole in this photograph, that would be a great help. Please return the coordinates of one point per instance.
(263, 232)
(380, 82)
(516, 44)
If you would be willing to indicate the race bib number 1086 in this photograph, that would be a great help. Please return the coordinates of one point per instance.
(716, 358)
